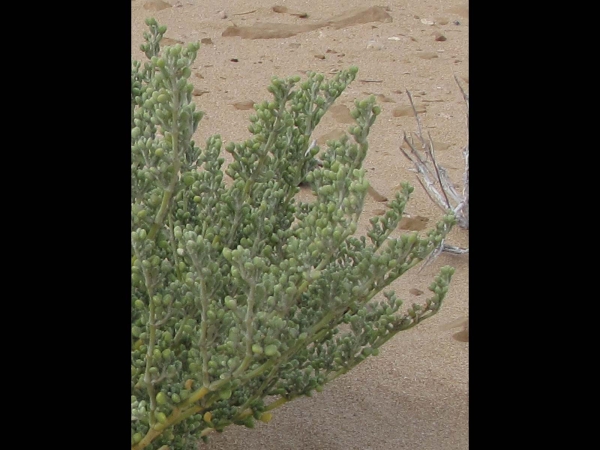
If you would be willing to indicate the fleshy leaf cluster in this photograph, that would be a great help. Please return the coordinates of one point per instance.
(243, 297)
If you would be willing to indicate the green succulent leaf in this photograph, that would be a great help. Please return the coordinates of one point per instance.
(240, 291)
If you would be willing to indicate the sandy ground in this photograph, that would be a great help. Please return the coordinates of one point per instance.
(414, 395)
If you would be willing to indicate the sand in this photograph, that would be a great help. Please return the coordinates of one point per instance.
(414, 395)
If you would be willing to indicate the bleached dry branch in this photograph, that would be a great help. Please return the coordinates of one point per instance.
(434, 178)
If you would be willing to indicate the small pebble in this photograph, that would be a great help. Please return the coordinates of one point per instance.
(439, 36)
(374, 45)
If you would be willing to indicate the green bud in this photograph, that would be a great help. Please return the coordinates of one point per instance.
(225, 394)
(315, 274)
(185, 393)
(230, 303)
(177, 232)
(161, 398)
(257, 349)
(271, 350)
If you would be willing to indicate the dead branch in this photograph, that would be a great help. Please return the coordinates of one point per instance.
(434, 178)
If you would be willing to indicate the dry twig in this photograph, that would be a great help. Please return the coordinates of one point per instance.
(434, 177)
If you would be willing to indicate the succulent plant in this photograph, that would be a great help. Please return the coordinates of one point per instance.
(243, 297)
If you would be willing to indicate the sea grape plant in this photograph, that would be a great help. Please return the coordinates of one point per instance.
(243, 297)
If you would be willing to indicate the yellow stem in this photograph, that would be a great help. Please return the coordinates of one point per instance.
(206, 432)
(176, 416)
(198, 395)
(277, 404)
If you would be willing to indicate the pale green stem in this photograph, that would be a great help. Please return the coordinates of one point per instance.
(173, 246)
(249, 332)
(179, 333)
(204, 324)
(203, 335)
(169, 190)
(151, 343)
